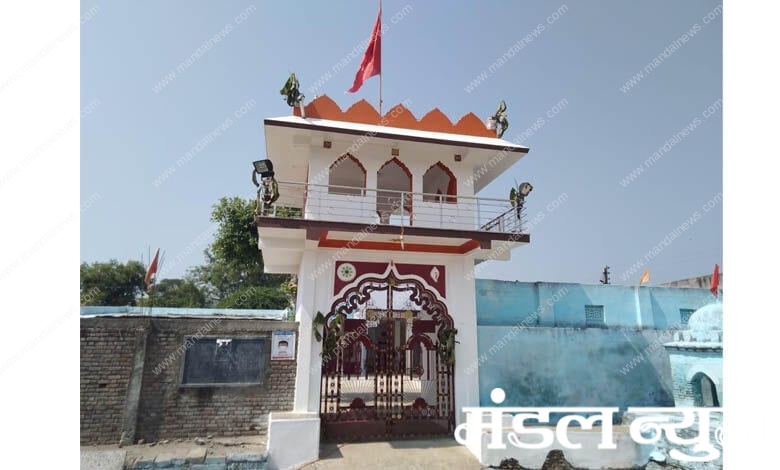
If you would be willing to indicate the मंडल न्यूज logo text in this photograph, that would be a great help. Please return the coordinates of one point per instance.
(649, 427)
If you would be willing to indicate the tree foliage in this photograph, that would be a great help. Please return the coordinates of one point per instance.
(233, 261)
(262, 298)
(181, 293)
(232, 276)
(112, 283)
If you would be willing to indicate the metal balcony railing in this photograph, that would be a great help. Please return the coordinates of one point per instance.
(399, 208)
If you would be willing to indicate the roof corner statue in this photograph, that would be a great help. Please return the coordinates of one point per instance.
(290, 88)
(499, 119)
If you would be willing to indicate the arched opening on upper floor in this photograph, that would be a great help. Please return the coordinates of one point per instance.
(347, 176)
(439, 184)
(393, 195)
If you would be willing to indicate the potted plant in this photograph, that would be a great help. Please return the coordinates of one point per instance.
(331, 333)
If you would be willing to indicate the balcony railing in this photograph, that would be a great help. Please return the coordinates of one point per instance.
(399, 208)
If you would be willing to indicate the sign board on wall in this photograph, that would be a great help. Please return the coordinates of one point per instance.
(283, 346)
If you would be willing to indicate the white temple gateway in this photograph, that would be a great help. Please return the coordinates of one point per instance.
(377, 216)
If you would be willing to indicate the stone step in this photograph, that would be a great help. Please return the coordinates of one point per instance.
(196, 459)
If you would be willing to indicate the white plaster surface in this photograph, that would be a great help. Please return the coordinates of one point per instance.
(293, 439)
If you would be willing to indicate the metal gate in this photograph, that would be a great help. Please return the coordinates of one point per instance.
(387, 370)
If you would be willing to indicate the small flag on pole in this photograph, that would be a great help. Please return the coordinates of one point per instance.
(152, 270)
(372, 60)
(645, 277)
(715, 282)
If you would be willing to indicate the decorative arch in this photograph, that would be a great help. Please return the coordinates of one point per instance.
(438, 179)
(403, 167)
(348, 172)
(393, 179)
(360, 292)
(421, 340)
(705, 391)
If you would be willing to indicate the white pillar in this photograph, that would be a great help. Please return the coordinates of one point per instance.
(371, 167)
(307, 345)
(462, 302)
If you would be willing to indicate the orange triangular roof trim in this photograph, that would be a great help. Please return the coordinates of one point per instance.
(398, 116)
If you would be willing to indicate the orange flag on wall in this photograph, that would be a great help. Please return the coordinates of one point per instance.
(645, 277)
(715, 281)
(152, 270)
(372, 60)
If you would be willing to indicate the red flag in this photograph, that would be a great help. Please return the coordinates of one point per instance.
(152, 269)
(372, 59)
(715, 282)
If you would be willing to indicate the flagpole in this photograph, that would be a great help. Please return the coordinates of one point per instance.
(380, 60)
(149, 289)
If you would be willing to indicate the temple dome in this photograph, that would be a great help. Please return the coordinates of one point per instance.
(706, 323)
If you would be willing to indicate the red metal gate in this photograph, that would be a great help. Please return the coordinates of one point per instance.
(388, 375)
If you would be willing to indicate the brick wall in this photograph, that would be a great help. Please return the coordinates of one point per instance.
(107, 349)
(686, 364)
(165, 409)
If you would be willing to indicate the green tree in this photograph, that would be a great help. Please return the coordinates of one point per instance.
(112, 283)
(233, 261)
(176, 293)
(262, 298)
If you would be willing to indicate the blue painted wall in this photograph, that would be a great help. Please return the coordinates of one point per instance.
(502, 303)
(553, 360)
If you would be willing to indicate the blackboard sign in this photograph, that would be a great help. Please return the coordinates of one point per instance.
(216, 361)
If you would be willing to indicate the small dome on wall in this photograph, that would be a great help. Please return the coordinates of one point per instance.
(706, 323)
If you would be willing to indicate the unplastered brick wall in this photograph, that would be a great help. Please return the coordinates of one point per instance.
(687, 363)
(168, 410)
(155, 406)
(107, 350)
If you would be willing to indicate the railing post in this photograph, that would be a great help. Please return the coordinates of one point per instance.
(441, 212)
(479, 217)
(319, 198)
(520, 220)
(403, 203)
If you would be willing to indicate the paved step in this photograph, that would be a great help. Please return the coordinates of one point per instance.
(196, 459)
(102, 459)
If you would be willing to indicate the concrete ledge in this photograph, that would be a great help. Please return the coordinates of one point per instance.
(103, 459)
(293, 439)
(232, 462)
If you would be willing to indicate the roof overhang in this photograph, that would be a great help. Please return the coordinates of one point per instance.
(287, 137)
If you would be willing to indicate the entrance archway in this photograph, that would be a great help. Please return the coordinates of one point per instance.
(705, 394)
(387, 372)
